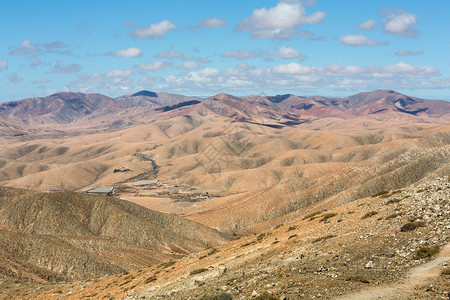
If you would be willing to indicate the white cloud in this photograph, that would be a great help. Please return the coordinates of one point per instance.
(244, 66)
(278, 22)
(291, 69)
(129, 52)
(119, 73)
(15, 78)
(240, 54)
(210, 23)
(401, 23)
(286, 52)
(367, 25)
(358, 40)
(203, 76)
(3, 64)
(283, 52)
(189, 65)
(170, 54)
(59, 68)
(408, 53)
(26, 48)
(415, 71)
(44, 80)
(155, 66)
(154, 30)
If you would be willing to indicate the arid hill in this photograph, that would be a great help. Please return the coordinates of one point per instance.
(240, 165)
(71, 236)
(99, 111)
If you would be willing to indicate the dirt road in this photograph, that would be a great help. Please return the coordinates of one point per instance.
(417, 276)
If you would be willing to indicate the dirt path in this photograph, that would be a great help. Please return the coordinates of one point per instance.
(417, 276)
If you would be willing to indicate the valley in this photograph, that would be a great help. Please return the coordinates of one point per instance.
(287, 195)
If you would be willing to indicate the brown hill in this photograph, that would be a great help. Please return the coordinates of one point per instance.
(67, 236)
(97, 111)
(391, 246)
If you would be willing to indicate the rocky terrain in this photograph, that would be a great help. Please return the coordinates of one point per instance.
(258, 196)
(368, 245)
(70, 236)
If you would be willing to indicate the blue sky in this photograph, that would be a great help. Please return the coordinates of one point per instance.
(200, 47)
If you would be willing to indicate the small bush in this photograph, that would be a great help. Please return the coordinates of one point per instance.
(312, 215)
(167, 264)
(291, 228)
(445, 272)
(392, 201)
(369, 214)
(150, 279)
(328, 216)
(260, 237)
(221, 296)
(292, 236)
(412, 219)
(411, 226)
(198, 271)
(357, 278)
(380, 194)
(323, 238)
(426, 252)
(394, 215)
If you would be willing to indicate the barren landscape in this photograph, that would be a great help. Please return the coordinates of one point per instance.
(276, 197)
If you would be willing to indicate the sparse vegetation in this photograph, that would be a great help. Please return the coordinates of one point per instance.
(323, 238)
(328, 216)
(312, 215)
(167, 264)
(150, 279)
(411, 226)
(412, 219)
(198, 271)
(265, 296)
(357, 278)
(291, 228)
(426, 252)
(394, 215)
(221, 296)
(369, 214)
(380, 194)
(394, 200)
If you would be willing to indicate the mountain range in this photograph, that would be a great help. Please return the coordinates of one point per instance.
(282, 110)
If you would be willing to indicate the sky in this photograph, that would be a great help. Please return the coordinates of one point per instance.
(205, 47)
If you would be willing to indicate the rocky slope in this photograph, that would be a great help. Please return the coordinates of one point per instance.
(67, 236)
(369, 244)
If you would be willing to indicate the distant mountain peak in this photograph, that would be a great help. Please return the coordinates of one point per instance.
(145, 93)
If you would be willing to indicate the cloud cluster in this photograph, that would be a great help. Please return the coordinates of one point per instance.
(283, 52)
(3, 64)
(357, 40)
(154, 30)
(279, 22)
(67, 69)
(408, 53)
(29, 49)
(367, 25)
(209, 23)
(15, 78)
(129, 52)
(400, 23)
(155, 66)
